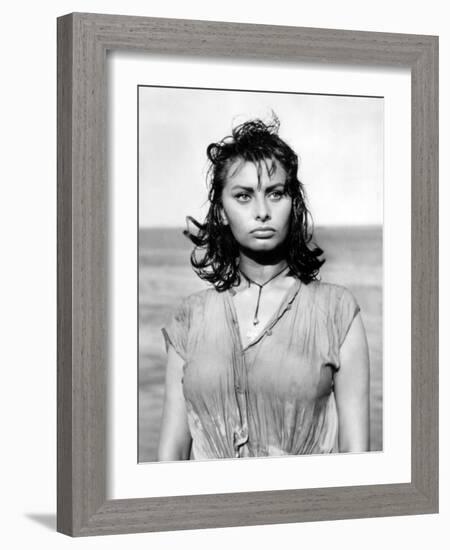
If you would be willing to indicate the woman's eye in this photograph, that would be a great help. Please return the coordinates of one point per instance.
(242, 197)
(277, 195)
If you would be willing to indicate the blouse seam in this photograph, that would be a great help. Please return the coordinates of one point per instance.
(354, 314)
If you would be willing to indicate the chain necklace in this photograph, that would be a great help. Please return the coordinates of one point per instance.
(260, 286)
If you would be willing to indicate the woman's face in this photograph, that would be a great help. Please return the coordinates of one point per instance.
(256, 206)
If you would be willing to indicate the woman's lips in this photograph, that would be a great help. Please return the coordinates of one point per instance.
(264, 232)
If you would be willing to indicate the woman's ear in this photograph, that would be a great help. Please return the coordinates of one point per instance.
(223, 216)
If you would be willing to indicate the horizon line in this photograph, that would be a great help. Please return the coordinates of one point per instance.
(316, 226)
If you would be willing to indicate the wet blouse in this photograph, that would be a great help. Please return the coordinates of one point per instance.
(273, 395)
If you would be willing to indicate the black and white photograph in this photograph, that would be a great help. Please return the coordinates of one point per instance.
(224, 231)
(260, 273)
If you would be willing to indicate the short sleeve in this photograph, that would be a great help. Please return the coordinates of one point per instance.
(176, 331)
(346, 311)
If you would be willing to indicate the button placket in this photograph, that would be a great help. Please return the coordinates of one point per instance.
(240, 435)
(240, 367)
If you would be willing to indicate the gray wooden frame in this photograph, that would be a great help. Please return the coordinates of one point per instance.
(83, 40)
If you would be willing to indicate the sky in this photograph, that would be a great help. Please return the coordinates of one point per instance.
(339, 141)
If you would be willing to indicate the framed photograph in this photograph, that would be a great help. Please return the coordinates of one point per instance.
(247, 247)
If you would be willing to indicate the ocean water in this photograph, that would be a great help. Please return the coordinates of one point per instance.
(353, 259)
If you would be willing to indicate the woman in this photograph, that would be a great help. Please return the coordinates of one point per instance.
(268, 361)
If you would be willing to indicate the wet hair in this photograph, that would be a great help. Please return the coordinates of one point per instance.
(216, 253)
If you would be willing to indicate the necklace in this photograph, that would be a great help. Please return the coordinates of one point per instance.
(261, 286)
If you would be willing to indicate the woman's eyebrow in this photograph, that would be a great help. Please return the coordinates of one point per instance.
(275, 185)
(244, 187)
(251, 188)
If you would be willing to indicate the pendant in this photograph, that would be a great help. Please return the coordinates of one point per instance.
(251, 333)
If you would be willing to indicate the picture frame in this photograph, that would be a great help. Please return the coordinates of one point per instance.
(83, 41)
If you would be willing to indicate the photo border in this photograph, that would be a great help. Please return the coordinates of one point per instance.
(84, 240)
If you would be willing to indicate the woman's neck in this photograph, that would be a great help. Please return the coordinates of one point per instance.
(261, 268)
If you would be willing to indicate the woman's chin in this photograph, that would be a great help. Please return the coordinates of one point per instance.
(263, 246)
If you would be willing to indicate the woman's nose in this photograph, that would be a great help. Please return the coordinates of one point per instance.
(262, 209)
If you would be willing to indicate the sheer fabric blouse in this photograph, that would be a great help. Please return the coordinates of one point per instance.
(274, 395)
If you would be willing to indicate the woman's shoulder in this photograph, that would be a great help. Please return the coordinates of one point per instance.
(331, 300)
(325, 290)
(197, 299)
(335, 303)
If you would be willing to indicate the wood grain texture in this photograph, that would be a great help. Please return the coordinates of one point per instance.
(83, 230)
(424, 280)
(64, 275)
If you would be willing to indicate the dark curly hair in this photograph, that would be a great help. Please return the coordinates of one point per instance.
(216, 251)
